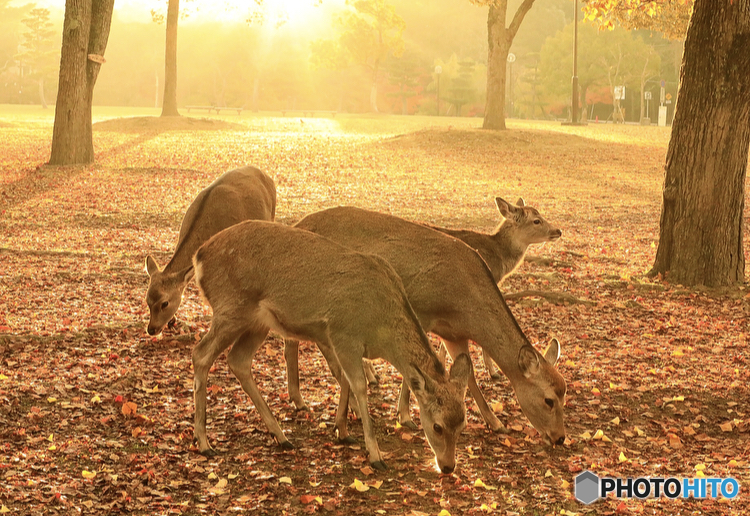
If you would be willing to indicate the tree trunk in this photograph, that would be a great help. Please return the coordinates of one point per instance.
(85, 32)
(41, 93)
(374, 97)
(169, 107)
(499, 39)
(706, 165)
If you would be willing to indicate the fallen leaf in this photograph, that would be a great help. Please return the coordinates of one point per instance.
(359, 486)
(88, 474)
(285, 480)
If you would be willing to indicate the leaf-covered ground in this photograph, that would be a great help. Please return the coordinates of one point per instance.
(96, 416)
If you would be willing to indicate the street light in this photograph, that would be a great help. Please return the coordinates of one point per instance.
(574, 118)
(438, 71)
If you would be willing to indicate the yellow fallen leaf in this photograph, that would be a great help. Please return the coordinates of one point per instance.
(232, 476)
(640, 432)
(615, 421)
(595, 391)
(52, 447)
(700, 474)
(497, 407)
(315, 484)
(478, 483)
(212, 476)
(285, 480)
(732, 463)
(4, 510)
(622, 457)
(598, 435)
(51, 437)
(564, 483)
(359, 486)
(51, 399)
(444, 513)
(585, 436)
(88, 474)
(700, 467)
(398, 425)
(96, 399)
(678, 353)
(219, 487)
(570, 363)
(678, 398)
(3, 377)
(322, 425)
(547, 473)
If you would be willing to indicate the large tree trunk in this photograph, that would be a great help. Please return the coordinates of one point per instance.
(499, 39)
(169, 107)
(85, 32)
(704, 187)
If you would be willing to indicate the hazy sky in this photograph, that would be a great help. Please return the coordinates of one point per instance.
(203, 10)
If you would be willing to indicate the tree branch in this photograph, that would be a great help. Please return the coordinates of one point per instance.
(518, 18)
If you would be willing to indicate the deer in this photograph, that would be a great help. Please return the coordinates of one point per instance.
(455, 296)
(505, 248)
(259, 276)
(237, 195)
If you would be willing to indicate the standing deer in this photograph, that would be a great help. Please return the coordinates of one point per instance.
(261, 276)
(455, 296)
(240, 194)
(504, 249)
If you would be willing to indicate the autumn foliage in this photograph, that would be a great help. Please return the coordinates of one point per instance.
(96, 416)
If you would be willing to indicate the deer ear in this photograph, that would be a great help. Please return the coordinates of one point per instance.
(507, 210)
(187, 274)
(461, 371)
(520, 202)
(419, 382)
(528, 361)
(553, 352)
(151, 265)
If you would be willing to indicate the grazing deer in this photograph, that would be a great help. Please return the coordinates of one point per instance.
(261, 276)
(504, 249)
(241, 194)
(455, 296)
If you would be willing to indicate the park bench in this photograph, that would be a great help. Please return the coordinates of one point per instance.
(310, 113)
(216, 108)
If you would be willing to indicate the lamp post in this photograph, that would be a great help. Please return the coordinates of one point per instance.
(574, 106)
(438, 71)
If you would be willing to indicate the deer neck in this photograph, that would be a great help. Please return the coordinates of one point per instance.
(502, 338)
(500, 250)
(182, 258)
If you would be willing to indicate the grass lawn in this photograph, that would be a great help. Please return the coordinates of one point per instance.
(659, 369)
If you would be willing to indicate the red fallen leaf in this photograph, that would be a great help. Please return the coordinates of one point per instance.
(119, 399)
(574, 468)
(306, 499)
(622, 508)
(129, 408)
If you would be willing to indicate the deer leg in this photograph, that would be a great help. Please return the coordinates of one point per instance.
(204, 355)
(335, 367)
(345, 399)
(291, 356)
(455, 349)
(240, 360)
(491, 367)
(356, 379)
(404, 415)
(372, 376)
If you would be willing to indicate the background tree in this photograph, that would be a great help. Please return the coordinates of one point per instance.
(10, 40)
(462, 90)
(368, 32)
(169, 102)
(701, 222)
(404, 74)
(37, 56)
(85, 33)
(499, 39)
(668, 17)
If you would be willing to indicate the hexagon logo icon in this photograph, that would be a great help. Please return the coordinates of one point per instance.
(587, 487)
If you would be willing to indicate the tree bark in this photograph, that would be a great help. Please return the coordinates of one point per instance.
(706, 164)
(499, 39)
(169, 106)
(85, 32)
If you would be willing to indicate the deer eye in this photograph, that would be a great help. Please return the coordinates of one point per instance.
(537, 222)
(550, 402)
(438, 429)
(164, 305)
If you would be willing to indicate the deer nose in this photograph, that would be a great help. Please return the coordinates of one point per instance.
(447, 469)
(151, 331)
(560, 441)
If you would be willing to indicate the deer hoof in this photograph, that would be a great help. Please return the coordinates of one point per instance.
(379, 465)
(348, 440)
(286, 445)
(496, 376)
(501, 429)
(209, 452)
(410, 425)
(373, 384)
